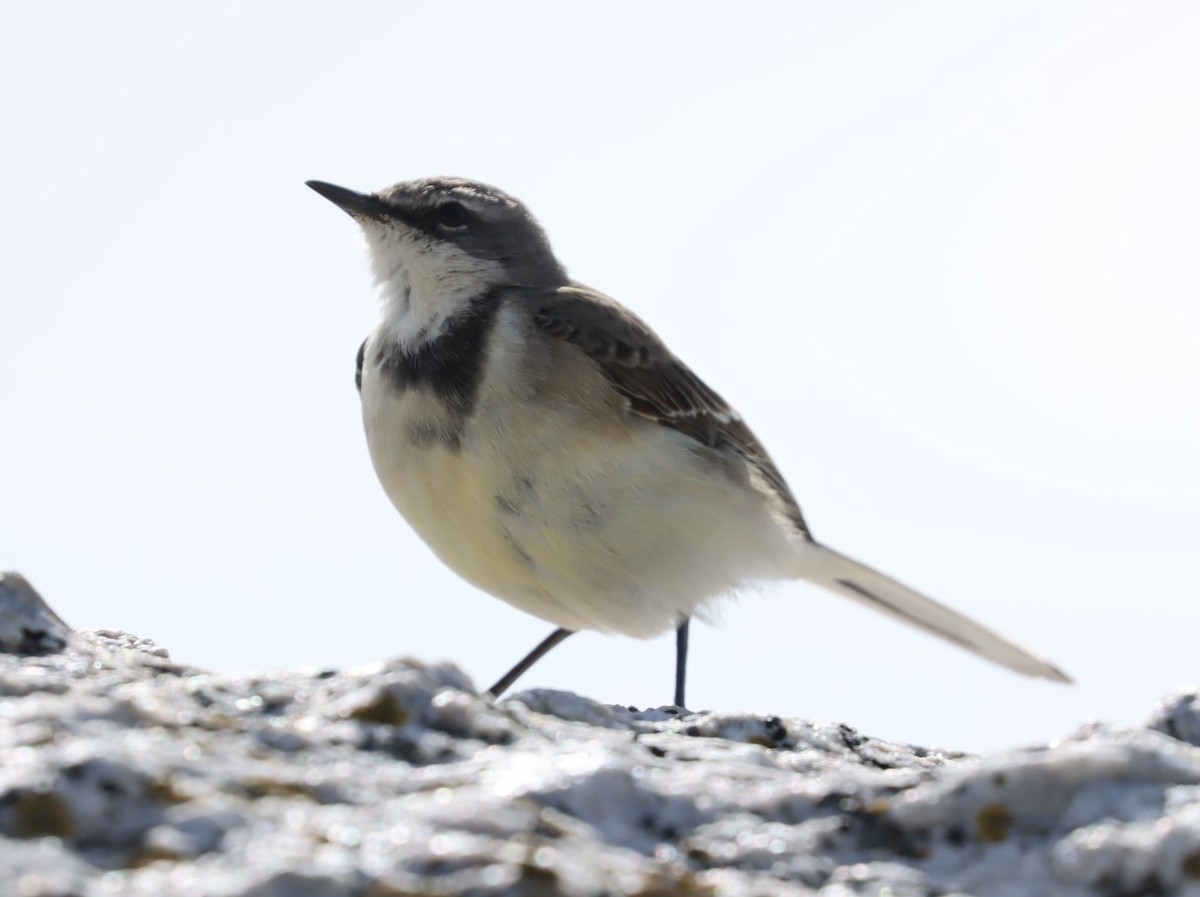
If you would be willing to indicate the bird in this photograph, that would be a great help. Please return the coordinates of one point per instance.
(551, 450)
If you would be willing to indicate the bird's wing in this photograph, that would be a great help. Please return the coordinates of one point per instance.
(661, 388)
(656, 384)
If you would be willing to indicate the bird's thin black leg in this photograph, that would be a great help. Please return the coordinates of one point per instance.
(681, 646)
(529, 660)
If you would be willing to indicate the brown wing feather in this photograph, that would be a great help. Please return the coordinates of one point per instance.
(657, 385)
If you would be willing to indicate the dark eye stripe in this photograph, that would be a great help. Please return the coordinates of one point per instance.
(452, 215)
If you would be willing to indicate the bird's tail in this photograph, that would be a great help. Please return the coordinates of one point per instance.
(825, 567)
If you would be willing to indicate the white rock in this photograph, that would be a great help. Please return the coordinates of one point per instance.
(124, 773)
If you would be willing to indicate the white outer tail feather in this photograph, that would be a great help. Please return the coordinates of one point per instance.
(838, 573)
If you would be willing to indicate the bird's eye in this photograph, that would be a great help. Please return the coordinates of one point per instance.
(451, 215)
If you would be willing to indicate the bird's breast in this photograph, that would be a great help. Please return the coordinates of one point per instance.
(545, 492)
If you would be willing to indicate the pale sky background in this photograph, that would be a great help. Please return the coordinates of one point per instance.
(943, 257)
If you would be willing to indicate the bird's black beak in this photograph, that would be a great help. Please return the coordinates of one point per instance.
(357, 205)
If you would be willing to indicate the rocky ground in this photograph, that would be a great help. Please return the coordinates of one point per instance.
(124, 773)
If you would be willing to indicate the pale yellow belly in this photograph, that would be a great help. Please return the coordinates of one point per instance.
(588, 524)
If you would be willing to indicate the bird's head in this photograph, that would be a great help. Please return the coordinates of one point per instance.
(437, 242)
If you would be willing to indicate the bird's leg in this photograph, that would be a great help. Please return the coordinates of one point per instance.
(681, 648)
(528, 660)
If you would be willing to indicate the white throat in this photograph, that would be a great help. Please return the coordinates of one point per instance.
(423, 281)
